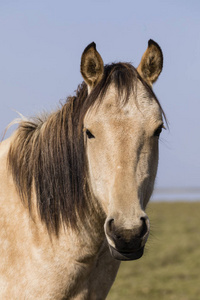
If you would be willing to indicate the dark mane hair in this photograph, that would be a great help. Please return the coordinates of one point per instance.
(47, 154)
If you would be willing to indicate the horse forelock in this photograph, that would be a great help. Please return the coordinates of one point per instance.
(48, 153)
(124, 77)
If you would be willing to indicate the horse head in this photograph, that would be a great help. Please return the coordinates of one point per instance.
(121, 135)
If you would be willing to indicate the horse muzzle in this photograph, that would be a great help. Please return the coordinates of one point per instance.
(127, 244)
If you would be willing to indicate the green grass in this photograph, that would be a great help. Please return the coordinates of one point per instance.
(170, 267)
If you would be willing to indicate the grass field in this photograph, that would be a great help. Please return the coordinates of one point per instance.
(170, 267)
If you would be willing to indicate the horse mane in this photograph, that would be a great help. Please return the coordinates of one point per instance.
(48, 153)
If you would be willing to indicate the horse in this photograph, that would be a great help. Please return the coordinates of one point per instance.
(74, 184)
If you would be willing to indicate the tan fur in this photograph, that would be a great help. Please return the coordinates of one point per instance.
(122, 163)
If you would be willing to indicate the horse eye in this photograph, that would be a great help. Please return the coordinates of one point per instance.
(89, 134)
(158, 131)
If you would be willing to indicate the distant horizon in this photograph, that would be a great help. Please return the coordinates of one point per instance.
(177, 189)
(176, 194)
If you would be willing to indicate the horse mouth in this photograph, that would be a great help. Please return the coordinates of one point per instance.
(132, 255)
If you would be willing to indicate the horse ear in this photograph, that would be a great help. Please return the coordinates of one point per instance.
(151, 63)
(92, 67)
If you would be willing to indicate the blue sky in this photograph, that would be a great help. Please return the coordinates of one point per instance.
(41, 46)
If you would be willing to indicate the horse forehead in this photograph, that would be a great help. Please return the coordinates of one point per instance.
(139, 108)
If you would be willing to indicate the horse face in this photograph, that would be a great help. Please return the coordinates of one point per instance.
(122, 150)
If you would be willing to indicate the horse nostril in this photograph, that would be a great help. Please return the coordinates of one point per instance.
(144, 227)
(110, 226)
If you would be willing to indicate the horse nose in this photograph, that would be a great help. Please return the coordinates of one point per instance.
(128, 239)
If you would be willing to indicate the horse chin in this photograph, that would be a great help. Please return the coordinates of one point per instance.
(126, 255)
